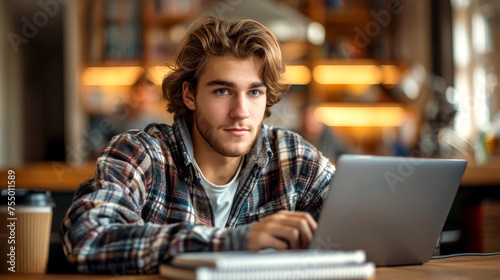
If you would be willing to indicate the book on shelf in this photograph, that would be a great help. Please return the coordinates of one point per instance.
(166, 8)
(114, 31)
(289, 265)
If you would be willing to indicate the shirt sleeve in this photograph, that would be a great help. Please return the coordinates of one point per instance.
(321, 172)
(103, 231)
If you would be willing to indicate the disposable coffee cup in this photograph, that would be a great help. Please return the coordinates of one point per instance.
(25, 238)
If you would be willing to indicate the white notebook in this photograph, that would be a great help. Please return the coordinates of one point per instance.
(310, 264)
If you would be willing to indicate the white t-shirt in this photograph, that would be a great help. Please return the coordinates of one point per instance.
(221, 196)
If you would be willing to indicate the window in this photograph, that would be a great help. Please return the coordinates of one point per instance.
(476, 59)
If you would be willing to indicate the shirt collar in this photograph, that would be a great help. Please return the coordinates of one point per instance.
(186, 143)
(260, 153)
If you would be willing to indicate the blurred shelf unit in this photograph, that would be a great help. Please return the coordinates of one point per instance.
(482, 233)
(113, 30)
(356, 75)
(353, 29)
(357, 54)
(133, 33)
(124, 39)
(165, 24)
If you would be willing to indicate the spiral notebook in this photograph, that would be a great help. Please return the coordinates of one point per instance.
(289, 265)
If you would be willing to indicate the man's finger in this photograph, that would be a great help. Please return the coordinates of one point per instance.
(273, 235)
(303, 227)
(287, 233)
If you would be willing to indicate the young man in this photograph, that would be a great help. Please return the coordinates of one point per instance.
(217, 179)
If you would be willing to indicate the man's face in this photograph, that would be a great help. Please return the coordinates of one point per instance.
(229, 105)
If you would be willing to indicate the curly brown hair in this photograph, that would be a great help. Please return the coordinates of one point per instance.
(210, 37)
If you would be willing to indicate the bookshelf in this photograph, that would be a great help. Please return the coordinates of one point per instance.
(121, 41)
(163, 32)
(132, 32)
(113, 30)
(359, 68)
(124, 39)
(154, 29)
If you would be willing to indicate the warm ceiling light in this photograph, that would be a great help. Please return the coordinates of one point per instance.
(355, 74)
(298, 74)
(111, 76)
(369, 116)
(316, 33)
(390, 74)
(346, 74)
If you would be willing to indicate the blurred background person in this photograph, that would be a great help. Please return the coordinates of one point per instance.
(141, 105)
(140, 109)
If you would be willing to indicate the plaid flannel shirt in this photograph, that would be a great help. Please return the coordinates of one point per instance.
(146, 203)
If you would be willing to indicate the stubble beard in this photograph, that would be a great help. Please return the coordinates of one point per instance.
(207, 132)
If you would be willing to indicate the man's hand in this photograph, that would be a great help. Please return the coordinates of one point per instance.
(283, 230)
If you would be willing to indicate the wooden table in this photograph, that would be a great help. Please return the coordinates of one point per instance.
(487, 174)
(53, 176)
(457, 268)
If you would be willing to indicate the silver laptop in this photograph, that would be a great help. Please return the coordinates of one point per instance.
(393, 208)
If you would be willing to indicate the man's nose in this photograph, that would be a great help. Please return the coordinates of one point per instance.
(239, 109)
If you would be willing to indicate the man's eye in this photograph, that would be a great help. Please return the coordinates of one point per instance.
(255, 93)
(222, 91)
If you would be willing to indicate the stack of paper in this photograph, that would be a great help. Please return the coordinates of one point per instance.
(287, 265)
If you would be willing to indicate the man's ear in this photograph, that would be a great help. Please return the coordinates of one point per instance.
(188, 96)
